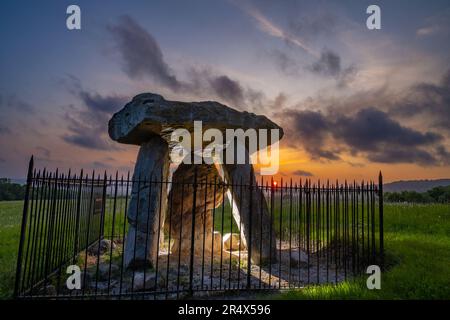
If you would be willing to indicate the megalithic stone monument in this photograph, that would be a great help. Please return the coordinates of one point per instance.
(148, 121)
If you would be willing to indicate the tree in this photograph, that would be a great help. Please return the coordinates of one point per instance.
(11, 191)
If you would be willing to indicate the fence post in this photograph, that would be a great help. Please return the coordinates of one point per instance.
(49, 236)
(77, 223)
(191, 262)
(380, 204)
(102, 217)
(24, 222)
(249, 244)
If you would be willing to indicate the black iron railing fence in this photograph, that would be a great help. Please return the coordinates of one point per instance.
(324, 233)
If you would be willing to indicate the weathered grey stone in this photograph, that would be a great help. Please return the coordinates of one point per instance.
(101, 248)
(150, 114)
(146, 281)
(181, 207)
(253, 217)
(148, 203)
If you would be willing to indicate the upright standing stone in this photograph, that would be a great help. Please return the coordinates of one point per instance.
(181, 207)
(252, 210)
(148, 203)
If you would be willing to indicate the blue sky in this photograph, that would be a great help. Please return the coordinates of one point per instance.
(312, 66)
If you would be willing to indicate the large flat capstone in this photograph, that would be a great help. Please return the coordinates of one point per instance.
(149, 114)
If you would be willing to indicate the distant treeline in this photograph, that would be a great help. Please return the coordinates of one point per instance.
(11, 191)
(437, 194)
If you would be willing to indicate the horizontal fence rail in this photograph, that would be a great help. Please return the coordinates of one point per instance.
(320, 233)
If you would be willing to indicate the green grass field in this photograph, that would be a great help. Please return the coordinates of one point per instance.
(417, 240)
(10, 220)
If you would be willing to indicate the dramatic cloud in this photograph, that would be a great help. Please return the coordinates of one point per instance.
(104, 104)
(329, 64)
(312, 128)
(141, 53)
(302, 173)
(369, 132)
(88, 127)
(227, 89)
(143, 57)
(369, 129)
(430, 102)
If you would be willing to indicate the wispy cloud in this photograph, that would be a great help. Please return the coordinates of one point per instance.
(427, 31)
(270, 28)
(433, 25)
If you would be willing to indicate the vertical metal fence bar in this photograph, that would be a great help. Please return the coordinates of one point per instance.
(101, 229)
(234, 187)
(170, 234)
(260, 191)
(281, 232)
(23, 227)
(271, 228)
(148, 229)
(90, 213)
(328, 244)
(221, 232)
(372, 196)
(205, 213)
(31, 223)
(318, 225)
(180, 240)
(308, 229)
(50, 229)
(380, 223)
(240, 228)
(300, 234)
(116, 182)
(77, 223)
(212, 231)
(160, 213)
(45, 228)
(125, 211)
(250, 221)
(191, 259)
(290, 233)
